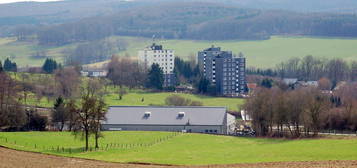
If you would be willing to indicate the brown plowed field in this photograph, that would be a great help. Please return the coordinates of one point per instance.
(16, 159)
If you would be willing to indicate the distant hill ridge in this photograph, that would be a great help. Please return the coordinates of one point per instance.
(71, 21)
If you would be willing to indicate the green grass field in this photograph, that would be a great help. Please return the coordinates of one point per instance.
(268, 53)
(260, 53)
(263, 53)
(185, 149)
(21, 52)
(134, 97)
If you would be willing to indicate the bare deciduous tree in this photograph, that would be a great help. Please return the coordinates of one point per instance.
(275, 111)
(67, 82)
(89, 115)
(125, 72)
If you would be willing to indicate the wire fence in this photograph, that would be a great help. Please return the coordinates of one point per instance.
(102, 146)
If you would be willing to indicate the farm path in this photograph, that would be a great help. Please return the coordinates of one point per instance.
(17, 159)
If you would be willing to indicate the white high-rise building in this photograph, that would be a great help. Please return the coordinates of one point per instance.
(155, 54)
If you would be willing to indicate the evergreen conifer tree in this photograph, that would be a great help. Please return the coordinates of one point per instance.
(155, 77)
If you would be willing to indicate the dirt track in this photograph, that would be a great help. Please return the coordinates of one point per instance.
(14, 159)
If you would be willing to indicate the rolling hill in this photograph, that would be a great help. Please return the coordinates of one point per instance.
(259, 53)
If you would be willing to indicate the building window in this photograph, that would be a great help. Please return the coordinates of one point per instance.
(147, 114)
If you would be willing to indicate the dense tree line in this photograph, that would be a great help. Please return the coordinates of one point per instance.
(186, 71)
(343, 114)
(95, 51)
(301, 112)
(64, 82)
(310, 68)
(125, 72)
(264, 72)
(14, 111)
(79, 106)
(13, 115)
(11, 112)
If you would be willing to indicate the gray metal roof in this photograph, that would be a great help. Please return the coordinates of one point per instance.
(290, 81)
(135, 115)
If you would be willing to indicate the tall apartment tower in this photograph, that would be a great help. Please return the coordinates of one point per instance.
(155, 54)
(224, 70)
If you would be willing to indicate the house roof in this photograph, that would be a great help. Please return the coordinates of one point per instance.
(290, 81)
(251, 85)
(135, 115)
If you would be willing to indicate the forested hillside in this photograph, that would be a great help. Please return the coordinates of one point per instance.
(198, 20)
(201, 21)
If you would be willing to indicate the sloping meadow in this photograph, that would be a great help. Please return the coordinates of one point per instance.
(183, 149)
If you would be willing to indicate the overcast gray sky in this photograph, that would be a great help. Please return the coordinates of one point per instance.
(11, 1)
